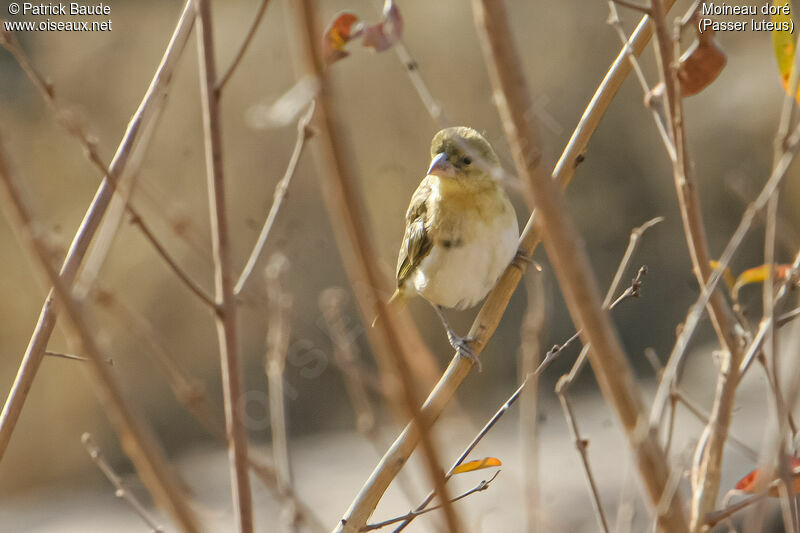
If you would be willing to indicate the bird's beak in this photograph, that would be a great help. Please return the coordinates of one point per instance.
(441, 166)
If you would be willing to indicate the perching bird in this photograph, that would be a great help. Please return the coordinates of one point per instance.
(461, 229)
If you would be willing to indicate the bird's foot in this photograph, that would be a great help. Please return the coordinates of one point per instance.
(462, 346)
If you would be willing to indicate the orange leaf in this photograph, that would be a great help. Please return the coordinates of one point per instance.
(478, 464)
(749, 482)
(337, 36)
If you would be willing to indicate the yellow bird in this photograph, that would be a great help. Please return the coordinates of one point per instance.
(461, 229)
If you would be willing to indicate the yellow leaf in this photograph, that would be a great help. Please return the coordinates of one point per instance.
(478, 464)
(758, 274)
(783, 41)
(727, 275)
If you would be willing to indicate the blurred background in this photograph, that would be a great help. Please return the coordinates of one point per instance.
(48, 482)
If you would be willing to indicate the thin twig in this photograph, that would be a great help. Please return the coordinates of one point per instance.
(703, 416)
(348, 217)
(632, 291)
(581, 445)
(262, 8)
(530, 355)
(707, 469)
(346, 211)
(73, 356)
(496, 302)
(303, 133)
(345, 357)
(483, 485)
(69, 123)
(656, 110)
(471, 446)
(568, 256)
(226, 302)
(120, 490)
(137, 441)
(278, 333)
(189, 392)
(143, 118)
(566, 380)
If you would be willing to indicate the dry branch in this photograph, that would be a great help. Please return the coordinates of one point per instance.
(279, 330)
(248, 38)
(495, 304)
(347, 215)
(223, 275)
(303, 133)
(569, 259)
(135, 437)
(120, 491)
(707, 470)
(142, 119)
(190, 394)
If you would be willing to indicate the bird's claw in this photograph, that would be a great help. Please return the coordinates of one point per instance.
(462, 346)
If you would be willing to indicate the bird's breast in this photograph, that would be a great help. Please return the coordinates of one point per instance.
(473, 242)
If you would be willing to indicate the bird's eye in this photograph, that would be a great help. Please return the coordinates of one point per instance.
(466, 160)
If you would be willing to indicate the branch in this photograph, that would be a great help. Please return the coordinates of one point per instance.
(570, 262)
(144, 116)
(566, 380)
(279, 330)
(347, 216)
(350, 223)
(496, 302)
(243, 48)
(226, 308)
(483, 485)
(471, 446)
(303, 133)
(707, 472)
(190, 394)
(120, 490)
(136, 439)
(68, 122)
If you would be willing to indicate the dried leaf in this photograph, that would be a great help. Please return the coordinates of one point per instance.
(338, 34)
(701, 64)
(750, 482)
(383, 35)
(478, 464)
(347, 27)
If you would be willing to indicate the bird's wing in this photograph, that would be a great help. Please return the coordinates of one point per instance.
(416, 242)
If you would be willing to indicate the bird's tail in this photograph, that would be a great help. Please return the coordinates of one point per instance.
(397, 300)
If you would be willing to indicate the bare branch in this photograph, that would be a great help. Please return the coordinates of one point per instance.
(495, 304)
(226, 309)
(303, 133)
(120, 490)
(69, 123)
(278, 333)
(483, 485)
(248, 38)
(142, 119)
(347, 216)
(137, 441)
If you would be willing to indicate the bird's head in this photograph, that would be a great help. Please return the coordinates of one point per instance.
(462, 153)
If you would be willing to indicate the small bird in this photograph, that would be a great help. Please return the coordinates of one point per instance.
(461, 229)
